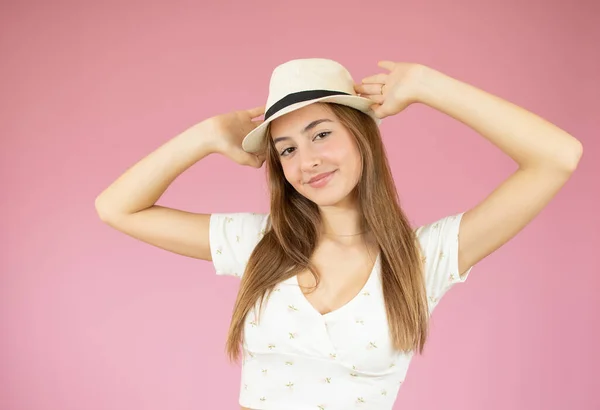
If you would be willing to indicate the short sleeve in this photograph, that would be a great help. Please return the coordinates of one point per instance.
(233, 237)
(439, 244)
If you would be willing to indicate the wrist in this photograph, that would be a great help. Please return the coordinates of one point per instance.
(201, 138)
(428, 83)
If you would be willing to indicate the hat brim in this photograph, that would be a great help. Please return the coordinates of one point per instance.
(253, 141)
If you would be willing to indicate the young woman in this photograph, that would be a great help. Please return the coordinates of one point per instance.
(336, 287)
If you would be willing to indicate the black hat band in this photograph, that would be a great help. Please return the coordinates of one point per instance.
(300, 96)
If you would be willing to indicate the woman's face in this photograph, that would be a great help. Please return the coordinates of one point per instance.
(319, 156)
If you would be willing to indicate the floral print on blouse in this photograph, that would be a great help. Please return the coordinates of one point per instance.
(296, 358)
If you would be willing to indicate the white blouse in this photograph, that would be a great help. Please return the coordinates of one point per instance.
(298, 359)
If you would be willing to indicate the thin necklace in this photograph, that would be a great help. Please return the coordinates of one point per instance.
(368, 253)
(335, 234)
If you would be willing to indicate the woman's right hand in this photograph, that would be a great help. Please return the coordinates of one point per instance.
(228, 131)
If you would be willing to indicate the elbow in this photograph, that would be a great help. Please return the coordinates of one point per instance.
(566, 158)
(102, 210)
(573, 155)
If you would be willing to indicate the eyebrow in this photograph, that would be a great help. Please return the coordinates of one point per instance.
(305, 130)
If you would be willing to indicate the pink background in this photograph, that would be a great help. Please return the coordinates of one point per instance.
(91, 319)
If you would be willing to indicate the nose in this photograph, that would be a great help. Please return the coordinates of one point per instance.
(309, 159)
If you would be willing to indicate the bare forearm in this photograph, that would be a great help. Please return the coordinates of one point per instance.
(527, 138)
(143, 184)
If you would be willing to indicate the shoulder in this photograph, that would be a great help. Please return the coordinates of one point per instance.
(238, 227)
(438, 240)
(233, 237)
(443, 229)
(240, 220)
(439, 243)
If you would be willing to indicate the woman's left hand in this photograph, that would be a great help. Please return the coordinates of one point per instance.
(392, 92)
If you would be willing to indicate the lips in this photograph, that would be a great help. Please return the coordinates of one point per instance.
(320, 176)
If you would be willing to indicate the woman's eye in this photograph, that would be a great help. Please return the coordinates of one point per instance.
(286, 151)
(289, 150)
(324, 134)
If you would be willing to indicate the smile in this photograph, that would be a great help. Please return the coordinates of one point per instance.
(321, 180)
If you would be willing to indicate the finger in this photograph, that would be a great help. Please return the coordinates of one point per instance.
(261, 158)
(257, 123)
(377, 78)
(243, 158)
(375, 108)
(379, 110)
(377, 98)
(388, 65)
(256, 111)
(368, 89)
(251, 159)
(257, 161)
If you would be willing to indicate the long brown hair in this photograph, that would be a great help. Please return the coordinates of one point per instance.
(293, 231)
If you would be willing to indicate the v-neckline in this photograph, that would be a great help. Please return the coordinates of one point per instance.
(345, 306)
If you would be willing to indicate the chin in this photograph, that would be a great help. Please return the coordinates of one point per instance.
(326, 197)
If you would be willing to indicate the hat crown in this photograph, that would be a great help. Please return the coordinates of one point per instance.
(308, 74)
(298, 83)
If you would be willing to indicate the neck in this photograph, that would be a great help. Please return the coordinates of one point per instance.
(342, 220)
